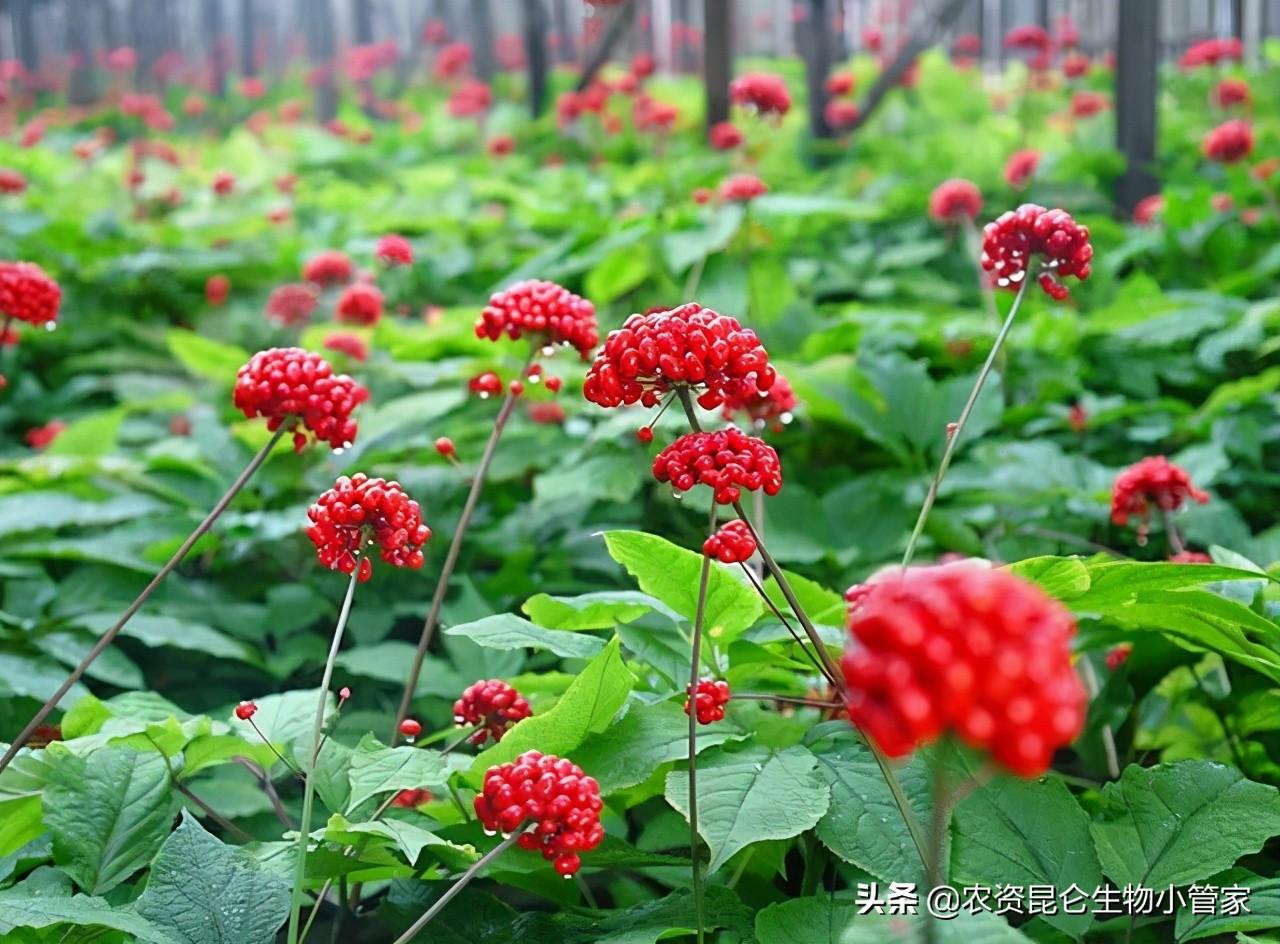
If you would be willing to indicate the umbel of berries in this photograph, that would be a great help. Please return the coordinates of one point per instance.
(554, 795)
(691, 347)
(708, 700)
(727, 461)
(966, 650)
(734, 543)
(297, 391)
(359, 512)
(492, 706)
(1153, 482)
(27, 294)
(543, 311)
(1017, 240)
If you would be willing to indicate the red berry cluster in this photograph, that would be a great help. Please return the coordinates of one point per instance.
(709, 699)
(967, 649)
(485, 385)
(344, 342)
(359, 511)
(727, 461)
(394, 250)
(493, 705)
(724, 136)
(291, 305)
(27, 294)
(11, 181)
(954, 200)
(216, 290)
(1209, 52)
(360, 304)
(1010, 242)
(412, 798)
(553, 792)
(1118, 655)
(1020, 166)
(542, 309)
(292, 388)
(691, 346)
(1149, 209)
(840, 83)
(223, 183)
(1230, 92)
(742, 188)
(762, 91)
(1191, 557)
(1231, 141)
(732, 544)
(246, 710)
(328, 268)
(1153, 481)
(772, 407)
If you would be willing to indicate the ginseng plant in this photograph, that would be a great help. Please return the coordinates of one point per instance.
(357, 514)
(296, 392)
(549, 316)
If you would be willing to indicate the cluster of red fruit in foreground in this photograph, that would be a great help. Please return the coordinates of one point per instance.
(954, 200)
(358, 511)
(691, 346)
(727, 461)
(493, 706)
(27, 294)
(291, 387)
(733, 543)
(1012, 241)
(554, 794)
(1153, 481)
(544, 310)
(964, 649)
(708, 701)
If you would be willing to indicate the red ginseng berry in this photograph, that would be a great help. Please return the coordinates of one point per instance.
(772, 408)
(965, 649)
(732, 544)
(412, 798)
(223, 183)
(216, 290)
(1020, 167)
(493, 706)
(762, 92)
(28, 294)
(1117, 655)
(485, 385)
(1230, 92)
(394, 250)
(554, 384)
(543, 310)
(1152, 481)
(954, 200)
(742, 188)
(11, 181)
(328, 268)
(344, 342)
(358, 511)
(727, 461)
(552, 792)
(724, 136)
(410, 728)
(1191, 557)
(689, 346)
(291, 305)
(1013, 241)
(709, 700)
(1231, 141)
(360, 304)
(293, 388)
(445, 446)
(246, 710)
(516, 387)
(645, 434)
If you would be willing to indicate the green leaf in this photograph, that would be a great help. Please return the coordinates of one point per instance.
(965, 928)
(671, 574)
(1062, 577)
(20, 822)
(284, 718)
(35, 677)
(205, 357)
(204, 892)
(508, 631)
(36, 511)
(863, 825)
(1180, 823)
(804, 920)
(1024, 832)
(751, 796)
(660, 919)
(377, 769)
(410, 839)
(602, 610)
(647, 736)
(587, 707)
(1116, 583)
(108, 814)
(210, 750)
(20, 908)
(1261, 911)
(618, 273)
(156, 630)
(94, 435)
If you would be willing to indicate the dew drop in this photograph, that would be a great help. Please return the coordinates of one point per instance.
(51, 326)
(491, 832)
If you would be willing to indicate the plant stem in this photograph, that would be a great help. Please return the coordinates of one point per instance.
(1108, 736)
(694, 666)
(833, 671)
(109, 636)
(755, 582)
(455, 549)
(268, 788)
(950, 448)
(458, 886)
(789, 699)
(1171, 534)
(190, 795)
(317, 730)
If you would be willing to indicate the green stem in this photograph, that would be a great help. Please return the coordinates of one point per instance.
(694, 667)
(317, 730)
(952, 441)
(455, 548)
(109, 636)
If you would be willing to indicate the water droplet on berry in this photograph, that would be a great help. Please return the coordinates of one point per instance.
(548, 350)
(567, 878)
(677, 495)
(483, 395)
(786, 417)
(51, 326)
(339, 450)
(491, 832)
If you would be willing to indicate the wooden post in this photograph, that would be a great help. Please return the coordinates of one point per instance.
(817, 66)
(320, 45)
(248, 65)
(535, 51)
(363, 25)
(83, 88)
(214, 40)
(1136, 64)
(717, 57)
(21, 13)
(481, 38)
